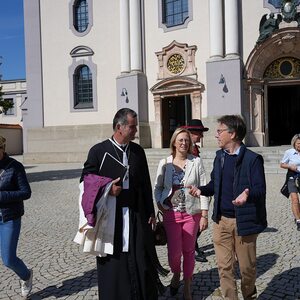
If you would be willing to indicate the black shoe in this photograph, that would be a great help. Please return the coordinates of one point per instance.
(174, 285)
(161, 288)
(298, 226)
(200, 258)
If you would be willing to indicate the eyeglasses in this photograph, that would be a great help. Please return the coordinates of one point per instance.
(219, 131)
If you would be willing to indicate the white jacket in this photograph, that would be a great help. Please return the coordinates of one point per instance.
(194, 175)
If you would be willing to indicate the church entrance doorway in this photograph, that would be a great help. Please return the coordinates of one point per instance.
(176, 111)
(283, 113)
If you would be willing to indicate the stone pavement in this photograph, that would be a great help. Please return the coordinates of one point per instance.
(62, 271)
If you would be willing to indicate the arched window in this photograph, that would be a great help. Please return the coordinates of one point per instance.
(174, 12)
(81, 15)
(83, 88)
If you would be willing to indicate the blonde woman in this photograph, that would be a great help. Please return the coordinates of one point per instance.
(291, 162)
(183, 214)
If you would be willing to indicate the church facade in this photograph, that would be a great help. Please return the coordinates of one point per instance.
(169, 60)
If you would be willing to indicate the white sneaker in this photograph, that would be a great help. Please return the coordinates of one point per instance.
(26, 286)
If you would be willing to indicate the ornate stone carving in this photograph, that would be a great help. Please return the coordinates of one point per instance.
(176, 63)
(286, 67)
(176, 59)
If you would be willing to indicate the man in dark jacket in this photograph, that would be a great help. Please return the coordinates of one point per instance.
(239, 213)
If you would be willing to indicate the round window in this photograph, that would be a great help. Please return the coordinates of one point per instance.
(286, 68)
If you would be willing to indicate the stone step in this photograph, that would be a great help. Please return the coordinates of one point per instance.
(272, 157)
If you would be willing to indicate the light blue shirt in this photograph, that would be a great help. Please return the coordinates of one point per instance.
(291, 157)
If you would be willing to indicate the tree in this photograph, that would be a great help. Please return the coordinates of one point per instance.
(5, 104)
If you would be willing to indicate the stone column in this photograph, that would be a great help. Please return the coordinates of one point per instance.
(124, 36)
(257, 130)
(135, 36)
(157, 136)
(231, 28)
(216, 28)
(196, 104)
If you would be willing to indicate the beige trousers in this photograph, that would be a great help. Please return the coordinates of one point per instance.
(232, 249)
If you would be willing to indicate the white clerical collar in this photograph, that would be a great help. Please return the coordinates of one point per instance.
(120, 146)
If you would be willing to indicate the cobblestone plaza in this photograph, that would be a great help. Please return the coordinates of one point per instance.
(62, 271)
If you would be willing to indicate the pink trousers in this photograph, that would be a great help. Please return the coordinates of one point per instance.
(181, 229)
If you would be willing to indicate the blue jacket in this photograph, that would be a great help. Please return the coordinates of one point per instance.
(14, 188)
(251, 218)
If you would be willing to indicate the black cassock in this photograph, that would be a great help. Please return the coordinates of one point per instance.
(128, 275)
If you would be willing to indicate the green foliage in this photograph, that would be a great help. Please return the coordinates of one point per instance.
(5, 103)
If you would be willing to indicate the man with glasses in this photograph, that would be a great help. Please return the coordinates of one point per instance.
(239, 212)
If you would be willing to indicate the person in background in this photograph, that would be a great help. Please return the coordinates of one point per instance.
(14, 188)
(183, 214)
(239, 212)
(196, 129)
(130, 272)
(291, 162)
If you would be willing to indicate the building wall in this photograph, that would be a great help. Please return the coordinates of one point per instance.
(51, 43)
(15, 90)
(58, 41)
(196, 33)
(11, 124)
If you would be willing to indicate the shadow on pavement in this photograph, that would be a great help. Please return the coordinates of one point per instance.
(265, 263)
(69, 287)
(270, 229)
(284, 286)
(210, 278)
(54, 175)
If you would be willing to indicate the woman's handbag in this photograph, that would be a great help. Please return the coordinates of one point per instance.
(160, 235)
(284, 190)
(297, 183)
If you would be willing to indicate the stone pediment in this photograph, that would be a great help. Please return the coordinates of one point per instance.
(177, 84)
(81, 51)
(176, 59)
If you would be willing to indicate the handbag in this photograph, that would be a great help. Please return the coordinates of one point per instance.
(284, 190)
(297, 183)
(160, 235)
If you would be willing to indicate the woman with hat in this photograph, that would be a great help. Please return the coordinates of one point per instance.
(182, 214)
(14, 188)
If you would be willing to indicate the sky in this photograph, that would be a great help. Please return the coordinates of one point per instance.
(12, 40)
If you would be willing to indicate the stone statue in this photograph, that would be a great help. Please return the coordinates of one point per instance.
(268, 26)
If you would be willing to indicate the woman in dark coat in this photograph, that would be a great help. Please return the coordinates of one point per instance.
(14, 188)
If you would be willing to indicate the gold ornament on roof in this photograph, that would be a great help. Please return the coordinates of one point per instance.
(176, 63)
